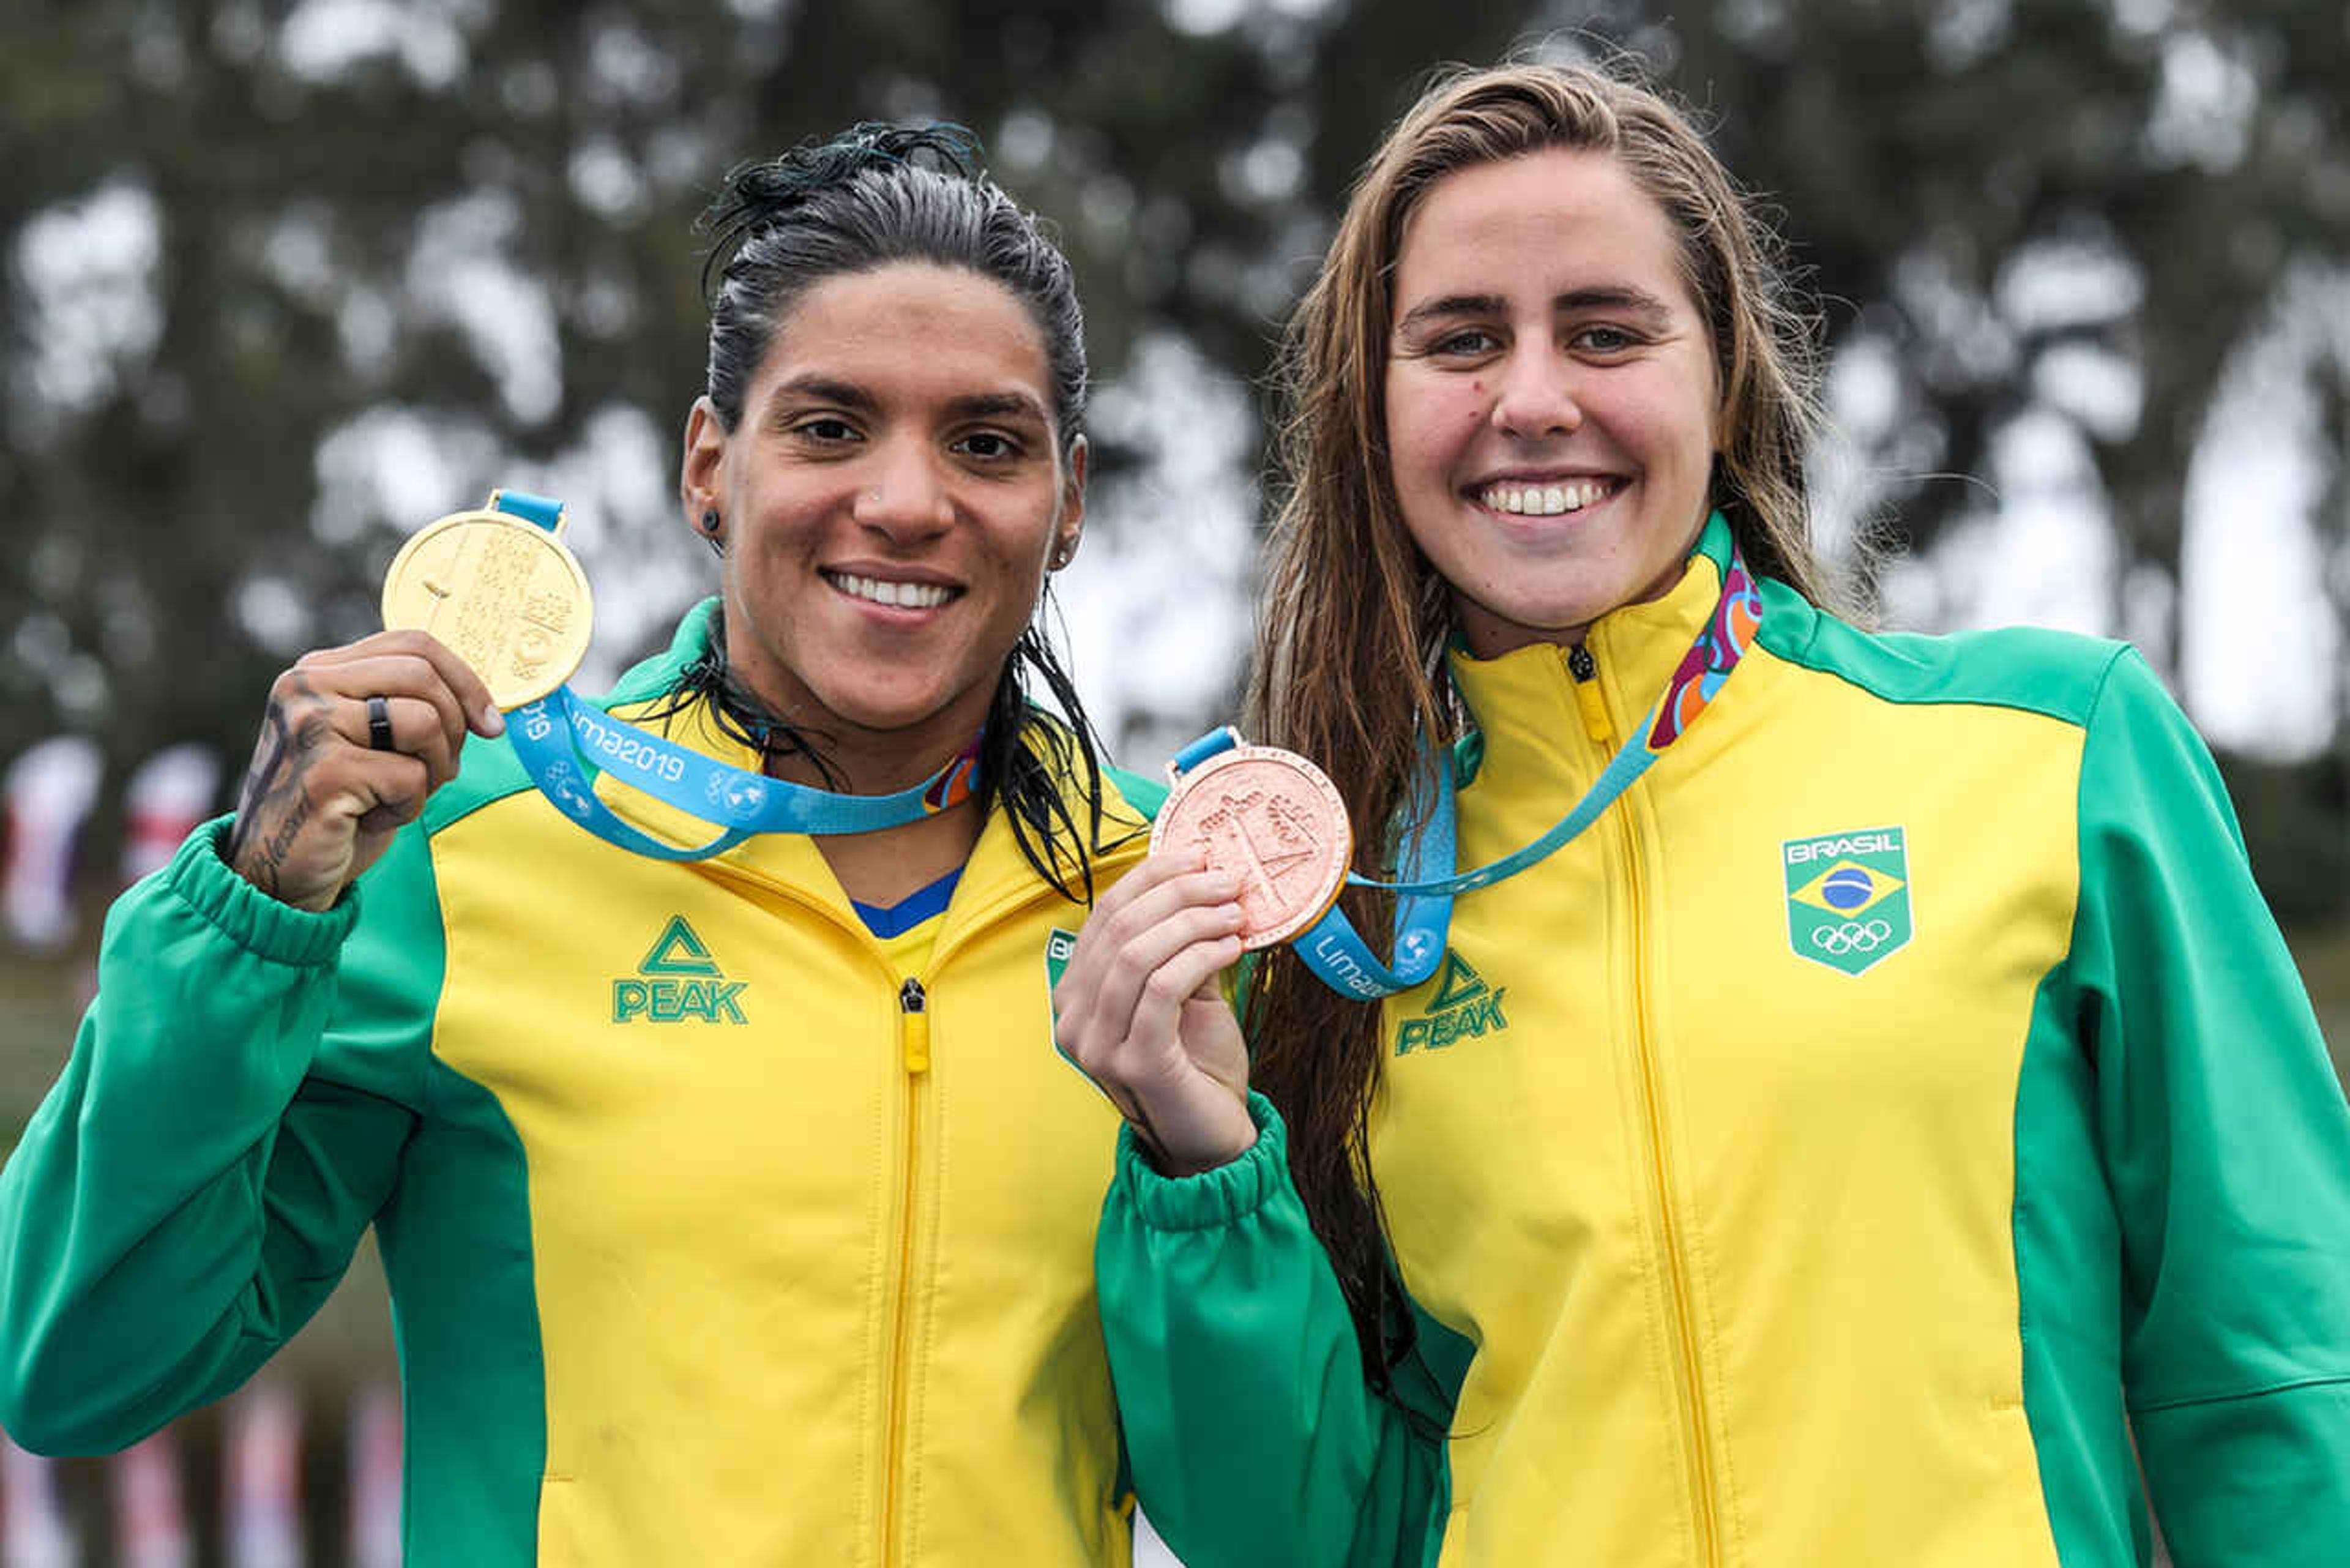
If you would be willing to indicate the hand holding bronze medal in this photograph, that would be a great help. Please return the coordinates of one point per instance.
(1326, 942)
(1273, 819)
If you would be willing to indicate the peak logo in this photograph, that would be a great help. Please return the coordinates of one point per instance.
(677, 982)
(1464, 1007)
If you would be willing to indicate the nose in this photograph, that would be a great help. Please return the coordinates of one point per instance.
(902, 495)
(1536, 396)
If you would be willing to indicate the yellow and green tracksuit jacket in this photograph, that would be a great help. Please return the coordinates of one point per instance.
(712, 1237)
(1897, 1099)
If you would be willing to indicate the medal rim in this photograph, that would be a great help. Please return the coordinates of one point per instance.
(531, 692)
(1318, 782)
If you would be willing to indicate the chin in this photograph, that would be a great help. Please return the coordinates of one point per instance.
(886, 713)
(1555, 616)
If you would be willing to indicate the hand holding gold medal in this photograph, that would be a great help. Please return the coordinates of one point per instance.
(499, 588)
(502, 591)
(356, 737)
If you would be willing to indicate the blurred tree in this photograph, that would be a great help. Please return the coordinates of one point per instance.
(259, 246)
(284, 279)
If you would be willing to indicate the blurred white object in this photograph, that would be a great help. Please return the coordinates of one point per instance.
(1150, 1552)
(49, 790)
(264, 1475)
(151, 1516)
(170, 794)
(33, 1532)
(375, 1479)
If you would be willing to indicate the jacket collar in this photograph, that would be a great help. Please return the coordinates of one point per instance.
(996, 867)
(1526, 699)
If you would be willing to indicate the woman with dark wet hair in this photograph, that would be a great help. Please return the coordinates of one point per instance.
(734, 1209)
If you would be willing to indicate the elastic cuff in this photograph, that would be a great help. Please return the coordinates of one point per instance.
(1213, 1198)
(266, 927)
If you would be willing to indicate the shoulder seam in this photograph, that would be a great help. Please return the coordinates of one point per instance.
(1802, 651)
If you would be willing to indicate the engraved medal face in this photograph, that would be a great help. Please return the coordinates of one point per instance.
(1273, 818)
(505, 595)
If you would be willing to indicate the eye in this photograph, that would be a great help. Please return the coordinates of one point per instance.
(1464, 343)
(1606, 338)
(988, 446)
(825, 429)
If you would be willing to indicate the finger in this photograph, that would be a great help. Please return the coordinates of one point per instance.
(381, 790)
(353, 675)
(414, 728)
(472, 694)
(1153, 893)
(1155, 868)
(1153, 1049)
(1116, 954)
(1140, 964)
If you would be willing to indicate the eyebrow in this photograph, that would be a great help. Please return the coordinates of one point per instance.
(825, 389)
(997, 406)
(975, 406)
(1606, 297)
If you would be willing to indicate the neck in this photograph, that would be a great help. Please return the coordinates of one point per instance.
(860, 762)
(1487, 641)
(884, 867)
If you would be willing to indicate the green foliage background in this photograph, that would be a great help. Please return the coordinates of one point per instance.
(1193, 152)
(324, 177)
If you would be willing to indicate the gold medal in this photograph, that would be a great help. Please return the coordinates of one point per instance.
(1273, 818)
(504, 594)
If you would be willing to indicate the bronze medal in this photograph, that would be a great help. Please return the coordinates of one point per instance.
(1275, 819)
(506, 596)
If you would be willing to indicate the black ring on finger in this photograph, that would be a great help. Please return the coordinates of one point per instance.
(379, 724)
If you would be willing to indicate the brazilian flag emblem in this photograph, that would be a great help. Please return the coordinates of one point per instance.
(1848, 896)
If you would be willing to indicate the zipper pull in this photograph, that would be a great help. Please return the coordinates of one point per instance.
(1586, 670)
(914, 1025)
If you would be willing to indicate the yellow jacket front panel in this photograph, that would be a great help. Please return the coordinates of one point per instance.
(711, 1236)
(1897, 1098)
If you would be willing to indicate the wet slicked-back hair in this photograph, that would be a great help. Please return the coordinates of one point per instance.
(876, 196)
(872, 196)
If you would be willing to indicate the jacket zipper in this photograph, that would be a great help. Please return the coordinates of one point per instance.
(914, 1047)
(914, 1058)
(1597, 724)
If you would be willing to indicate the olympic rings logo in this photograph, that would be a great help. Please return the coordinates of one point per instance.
(1852, 937)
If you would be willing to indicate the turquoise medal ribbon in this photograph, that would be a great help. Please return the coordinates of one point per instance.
(564, 743)
(1338, 954)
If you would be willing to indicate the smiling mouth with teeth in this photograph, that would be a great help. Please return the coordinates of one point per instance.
(1546, 500)
(898, 596)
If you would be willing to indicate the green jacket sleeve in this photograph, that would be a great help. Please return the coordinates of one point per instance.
(2227, 1146)
(1253, 1435)
(191, 1188)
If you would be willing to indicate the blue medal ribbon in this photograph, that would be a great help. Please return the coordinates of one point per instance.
(1338, 954)
(565, 743)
